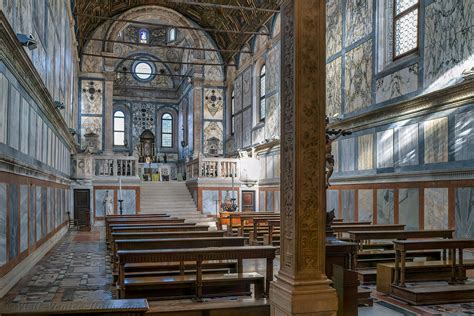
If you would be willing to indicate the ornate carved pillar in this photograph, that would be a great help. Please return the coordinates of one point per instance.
(108, 111)
(301, 286)
(198, 83)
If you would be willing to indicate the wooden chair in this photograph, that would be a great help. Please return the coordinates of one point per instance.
(72, 222)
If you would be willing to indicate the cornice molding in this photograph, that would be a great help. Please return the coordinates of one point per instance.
(18, 62)
(448, 98)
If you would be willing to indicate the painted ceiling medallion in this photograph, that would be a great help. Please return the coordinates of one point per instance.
(213, 102)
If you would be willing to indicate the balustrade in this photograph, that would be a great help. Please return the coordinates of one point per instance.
(212, 168)
(89, 166)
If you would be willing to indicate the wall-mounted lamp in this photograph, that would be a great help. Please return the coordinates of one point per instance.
(27, 41)
(59, 105)
(72, 131)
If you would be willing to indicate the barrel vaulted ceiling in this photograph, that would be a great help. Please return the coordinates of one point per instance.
(227, 15)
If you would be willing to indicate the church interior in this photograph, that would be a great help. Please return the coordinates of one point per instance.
(237, 157)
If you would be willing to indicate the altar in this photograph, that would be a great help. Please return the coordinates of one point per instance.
(156, 171)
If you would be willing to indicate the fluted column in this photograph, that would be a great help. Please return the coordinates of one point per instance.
(301, 286)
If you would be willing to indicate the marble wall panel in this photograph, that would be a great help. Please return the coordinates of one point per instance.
(273, 69)
(129, 202)
(333, 87)
(44, 212)
(464, 136)
(269, 203)
(385, 149)
(358, 77)
(258, 135)
(213, 73)
(276, 166)
(247, 128)
(366, 200)
(464, 207)
(335, 153)
(408, 208)
(385, 206)
(365, 157)
(91, 125)
(209, 204)
(92, 96)
(408, 145)
(14, 119)
(436, 208)
(448, 41)
(261, 201)
(213, 137)
(213, 103)
(347, 154)
(238, 131)
(38, 212)
(32, 133)
(272, 118)
(276, 204)
(269, 167)
(238, 93)
(13, 221)
(358, 20)
(348, 205)
(44, 147)
(99, 202)
(332, 202)
(397, 84)
(3, 224)
(247, 87)
(333, 27)
(436, 140)
(262, 167)
(23, 217)
(3, 108)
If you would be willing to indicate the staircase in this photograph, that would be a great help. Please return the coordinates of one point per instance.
(172, 198)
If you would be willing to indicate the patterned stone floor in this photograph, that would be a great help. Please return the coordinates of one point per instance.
(76, 269)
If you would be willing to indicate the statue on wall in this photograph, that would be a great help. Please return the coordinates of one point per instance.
(331, 136)
(108, 204)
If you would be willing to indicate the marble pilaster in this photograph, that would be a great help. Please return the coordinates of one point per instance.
(108, 111)
(301, 286)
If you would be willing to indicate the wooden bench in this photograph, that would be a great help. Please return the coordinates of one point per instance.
(257, 225)
(273, 226)
(140, 221)
(197, 255)
(351, 223)
(235, 219)
(158, 228)
(340, 229)
(179, 268)
(456, 292)
(128, 307)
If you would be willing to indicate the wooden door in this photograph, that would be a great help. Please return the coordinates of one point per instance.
(82, 212)
(248, 201)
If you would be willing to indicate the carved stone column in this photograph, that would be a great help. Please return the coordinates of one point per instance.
(301, 286)
(108, 111)
(198, 83)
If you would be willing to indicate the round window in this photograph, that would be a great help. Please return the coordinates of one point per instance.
(143, 71)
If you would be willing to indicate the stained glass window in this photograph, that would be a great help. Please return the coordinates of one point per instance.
(143, 36)
(167, 131)
(262, 109)
(119, 128)
(232, 113)
(405, 27)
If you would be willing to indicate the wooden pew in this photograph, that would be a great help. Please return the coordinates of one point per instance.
(273, 225)
(258, 222)
(339, 229)
(125, 307)
(199, 255)
(157, 228)
(456, 292)
(351, 223)
(136, 215)
(235, 219)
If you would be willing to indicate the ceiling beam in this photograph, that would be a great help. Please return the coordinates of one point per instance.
(223, 6)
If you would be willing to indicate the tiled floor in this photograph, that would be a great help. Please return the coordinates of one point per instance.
(78, 269)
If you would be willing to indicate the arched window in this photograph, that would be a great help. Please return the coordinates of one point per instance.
(262, 109)
(166, 131)
(232, 113)
(143, 36)
(172, 34)
(119, 128)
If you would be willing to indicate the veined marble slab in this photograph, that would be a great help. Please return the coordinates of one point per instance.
(32, 134)
(24, 126)
(365, 157)
(129, 202)
(92, 92)
(436, 208)
(247, 128)
(269, 204)
(333, 27)
(238, 93)
(408, 145)
(14, 221)
(247, 87)
(385, 206)
(347, 154)
(464, 136)
(272, 118)
(385, 149)
(366, 200)
(408, 211)
(261, 201)
(210, 201)
(213, 103)
(3, 108)
(465, 212)
(436, 140)
(276, 208)
(333, 87)
(358, 20)
(23, 217)
(37, 201)
(13, 123)
(397, 84)
(358, 77)
(348, 204)
(273, 69)
(332, 198)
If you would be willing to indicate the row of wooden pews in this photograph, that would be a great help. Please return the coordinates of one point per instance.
(166, 259)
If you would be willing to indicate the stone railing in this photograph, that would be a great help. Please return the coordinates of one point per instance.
(89, 166)
(213, 168)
